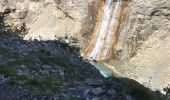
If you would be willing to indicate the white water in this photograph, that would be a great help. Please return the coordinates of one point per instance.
(109, 36)
(107, 21)
(109, 18)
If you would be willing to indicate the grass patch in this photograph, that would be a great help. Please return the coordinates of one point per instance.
(8, 70)
(6, 52)
(57, 60)
(28, 60)
(41, 85)
(38, 85)
(19, 61)
(45, 84)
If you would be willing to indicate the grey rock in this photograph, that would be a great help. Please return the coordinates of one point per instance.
(87, 98)
(46, 67)
(61, 72)
(92, 82)
(96, 98)
(111, 92)
(97, 91)
(25, 54)
(128, 97)
(86, 92)
(11, 60)
(2, 79)
(23, 67)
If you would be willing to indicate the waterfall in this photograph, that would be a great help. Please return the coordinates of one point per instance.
(104, 33)
(104, 36)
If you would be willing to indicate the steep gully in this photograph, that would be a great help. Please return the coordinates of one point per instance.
(104, 38)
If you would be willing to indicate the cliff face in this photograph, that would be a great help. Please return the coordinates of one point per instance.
(143, 45)
(48, 19)
(141, 19)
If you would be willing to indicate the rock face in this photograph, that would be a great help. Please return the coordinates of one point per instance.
(143, 44)
(47, 19)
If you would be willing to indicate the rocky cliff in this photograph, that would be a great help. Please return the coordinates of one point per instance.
(50, 19)
(143, 45)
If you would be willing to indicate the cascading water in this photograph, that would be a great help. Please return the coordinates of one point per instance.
(104, 36)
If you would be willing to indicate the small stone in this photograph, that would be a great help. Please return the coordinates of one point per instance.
(87, 98)
(46, 67)
(25, 54)
(86, 92)
(11, 60)
(96, 98)
(2, 79)
(97, 91)
(111, 92)
(92, 82)
(61, 72)
(56, 98)
(128, 97)
(43, 72)
(23, 67)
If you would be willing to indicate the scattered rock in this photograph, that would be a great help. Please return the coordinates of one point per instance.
(46, 67)
(92, 82)
(86, 92)
(61, 72)
(2, 79)
(97, 91)
(111, 92)
(128, 97)
(96, 98)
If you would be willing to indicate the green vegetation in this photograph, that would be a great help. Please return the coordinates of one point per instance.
(34, 83)
(6, 52)
(57, 60)
(140, 92)
(7, 30)
(37, 84)
(44, 84)
(7, 70)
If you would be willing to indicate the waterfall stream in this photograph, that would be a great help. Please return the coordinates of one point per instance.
(104, 36)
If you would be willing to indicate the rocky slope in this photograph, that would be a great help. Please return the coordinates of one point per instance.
(49, 70)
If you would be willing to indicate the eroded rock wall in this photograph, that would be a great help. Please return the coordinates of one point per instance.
(141, 19)
(48, 19)
(143, 44)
